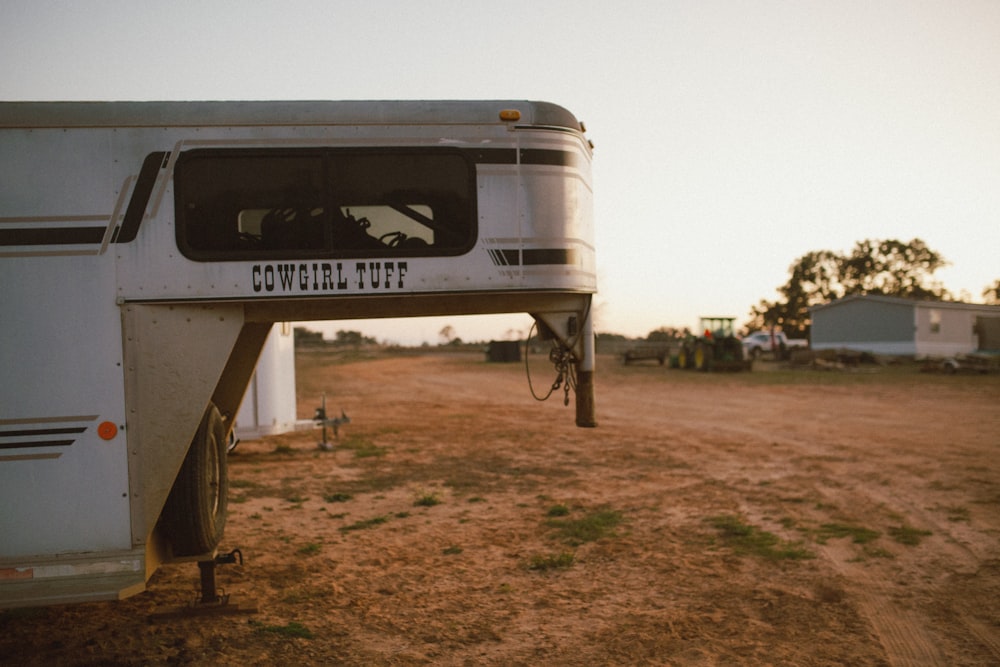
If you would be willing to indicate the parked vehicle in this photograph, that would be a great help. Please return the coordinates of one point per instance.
(770, 343)
(716, 348)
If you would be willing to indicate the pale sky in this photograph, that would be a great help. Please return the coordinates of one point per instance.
(731, 137)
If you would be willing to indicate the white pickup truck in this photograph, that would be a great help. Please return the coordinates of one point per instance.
(774, 343)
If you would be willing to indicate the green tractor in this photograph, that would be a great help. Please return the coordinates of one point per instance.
(716, 349)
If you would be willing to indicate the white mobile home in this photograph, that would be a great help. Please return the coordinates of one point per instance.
(895, 326)
(146, 250)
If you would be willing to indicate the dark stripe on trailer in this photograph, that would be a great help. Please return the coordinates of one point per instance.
(140, 196)
(40, 443)
(533, 256)
(42, 431)
(534, 156)
(51, 236)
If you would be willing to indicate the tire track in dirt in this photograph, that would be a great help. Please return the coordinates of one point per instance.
(961, 556)
(911, 637)
(902, 633)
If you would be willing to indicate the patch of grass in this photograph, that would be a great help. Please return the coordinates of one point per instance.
(557, 510)
(427, 500)
(310, 549)
(305, 594)
(337, 497)
(743, 538)
(858, 534)
(958, 513)
(877, 552)
(559, 561)
(908, 535)
(291, 629)
(453, 550)
(592, 527)
(362, 447)
(296, 499)
(365, 524)
(282, 449)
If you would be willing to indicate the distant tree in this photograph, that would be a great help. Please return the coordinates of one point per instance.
(609, 337)
(447, 334)
(352, 338)
(890, 268)
(666, 334)
(991, 294)
(304, 336)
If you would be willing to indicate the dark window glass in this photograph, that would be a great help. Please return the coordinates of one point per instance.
(237, 204)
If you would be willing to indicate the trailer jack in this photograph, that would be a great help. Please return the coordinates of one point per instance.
(323, 421)
(211, 602)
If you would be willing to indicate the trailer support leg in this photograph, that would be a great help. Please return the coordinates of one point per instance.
(209, 594)
(211, 602)
(586, 416)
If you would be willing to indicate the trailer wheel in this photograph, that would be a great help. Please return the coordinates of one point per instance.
(195, 513)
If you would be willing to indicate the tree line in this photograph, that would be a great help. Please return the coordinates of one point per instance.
(872, 267)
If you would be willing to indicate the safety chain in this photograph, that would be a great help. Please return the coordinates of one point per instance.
(564, 360)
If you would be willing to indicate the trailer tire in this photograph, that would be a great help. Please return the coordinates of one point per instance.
(195, 513)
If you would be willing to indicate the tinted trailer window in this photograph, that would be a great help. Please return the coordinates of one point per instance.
(238, 204)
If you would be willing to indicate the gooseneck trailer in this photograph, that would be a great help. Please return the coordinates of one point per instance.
(146, 249)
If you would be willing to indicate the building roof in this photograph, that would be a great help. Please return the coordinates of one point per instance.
(900, 301)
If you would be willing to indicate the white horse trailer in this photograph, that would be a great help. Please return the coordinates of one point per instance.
(269, 406)
(146, 249)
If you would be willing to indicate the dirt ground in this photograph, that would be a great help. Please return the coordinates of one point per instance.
(774, 518)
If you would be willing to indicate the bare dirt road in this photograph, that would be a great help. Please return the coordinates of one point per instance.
(779, 518)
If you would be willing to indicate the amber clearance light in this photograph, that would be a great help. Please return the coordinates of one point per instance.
(107, 430)
(510, 114)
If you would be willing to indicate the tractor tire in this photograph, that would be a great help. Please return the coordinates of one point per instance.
(703, 358)
(194, 516)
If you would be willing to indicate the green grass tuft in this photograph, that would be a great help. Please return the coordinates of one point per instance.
(364, 524)
(427, 500)
(292, 629)
(858, 534)
(559, 561)
(558, 510)
(745, 539)
(908, 535)
(592, 527)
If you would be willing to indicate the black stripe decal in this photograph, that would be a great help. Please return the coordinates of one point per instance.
(533, 256)
(39, 443)
(140, 196)
(42, 431)
(541, 156)
(51, 236)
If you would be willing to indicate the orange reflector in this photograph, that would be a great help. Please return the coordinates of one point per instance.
(510, 114)
(107, 430)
